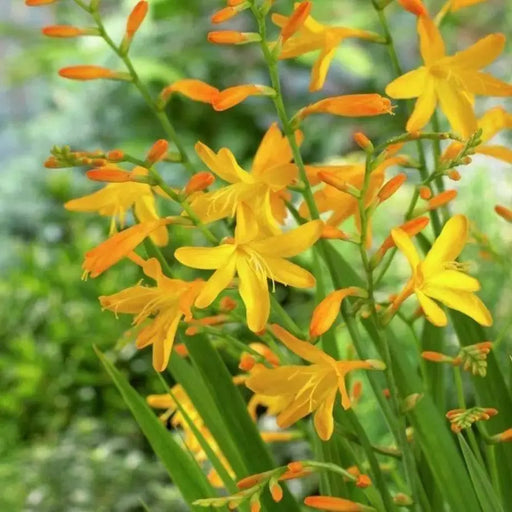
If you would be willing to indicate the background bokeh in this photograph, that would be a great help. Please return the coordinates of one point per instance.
(67, 442)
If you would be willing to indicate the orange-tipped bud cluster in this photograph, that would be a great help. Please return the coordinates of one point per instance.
(464, 418)
(503, 212)
(296, 20)
(390, 187)
(232, 37)
(473, 358)
(198, 182)
(85, 72)
(352, 105)
(328, 503)
(157, 151)
(415, 7)
(135, 19)
(66, 31)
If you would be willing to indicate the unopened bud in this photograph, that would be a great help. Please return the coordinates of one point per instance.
(109, 174)
(391, 187)
(410, 401)
(67, 31)
(425, 192)
(92, 73)
(276, 491)
(157, 152)
(442, 199)
(363, 141)
(233, 37)
(454, 175)
(333, 233)
(363, 481)
(436, 357)
(247, 362)
(338, 183)
(116, 155)
(198, 182)
(227, 304)
(295, 467)
(503, 212)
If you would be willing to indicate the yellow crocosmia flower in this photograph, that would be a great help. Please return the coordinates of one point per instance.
(493, 121)
(254, 260)
(341, 204)
(301, 389)
(439, 276)
(263, 189)
(313, 36)
(451, 81)
(165, 305)
(115, 199)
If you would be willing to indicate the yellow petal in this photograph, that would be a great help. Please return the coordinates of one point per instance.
(247, 228)
(424, 107)
(306, 350)
(288, 273)
(321, 67)
(433, 312)
(217, 282)
(162, 348)
(484, 84)
(223, 164)
(456, 107)
(103, 199)
(130, 300)
(465, 302)
(480, 54)
(145, 210)
(291, 243)
(431, 42)
(205, 258)
(451, 279)
(323, 420)
(279, 176)
(403, 242)
(253, 289)
(410, 85)
(447, 246)
(273, 150)
(499, 152)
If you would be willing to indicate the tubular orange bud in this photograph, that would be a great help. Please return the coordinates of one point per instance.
(52, 163)
(505, 436)
(224, 15)
(490, 411)
(483, 347)
(264, 351)
(109, 174)
(277, 492)
(425, 192)
(199, 182)
(295, 467)
(391, 187)
(411, 227)
(255, 506)
(333, 233)
(230, 37)
(503, 212)
(116, 155)
(362, 141)
(247, 362)
(436, 357)
(442, 199)
(181, 349)
(89, 73)
(157, 152)
(454, 175)
(339, 183)
(136, 18)
(415, 7)
(251, 480)
(363, 481)
(326, 312)
(454, 412)
(234, 95)
(99, 162)
(296, 20)
(63, 31)
(334, 504)
(227, 304)
(36, 3)
(351, 105)
(196, 90)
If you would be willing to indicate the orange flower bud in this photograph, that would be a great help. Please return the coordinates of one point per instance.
(326, 312)
(232, 37)
(454, 175)
(116, 155)
(503, 212)
(363, 481)
(181, 349)
(436, 357)
(277, 492)
(362, 140)
(198, 182)
(91, 73)
(136, 18)
(295, 467)
(339, 183)
(390, 187)
(425, 192)
(109, 174)
(442, 199)
(234, 95)
(328, 503)
(224, 14)
(415, 7)
(63, 31)
(490, 412)
(227, 304)
(296, 20)
(247, 362)
(251, 480)
(52, 163)
(196, 90)
(333, 233)
(157, 152)
(264, 351)
(505, 436)
(351, 105)
(255, 506)
(37, 3)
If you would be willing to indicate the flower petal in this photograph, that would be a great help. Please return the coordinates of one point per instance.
(321, 67)
(223, 164)
(323, 420)
(500, 152)
(452, 279)
(205, 258)
(484, 84)
(288, 273)
(447, 246)
(217, 282)
(424, 107)
(162, 348)
(403, 242)
(431, 42)
(409, 85)
(253, 289)
(273, 150)
(433, 312)
(480, 54)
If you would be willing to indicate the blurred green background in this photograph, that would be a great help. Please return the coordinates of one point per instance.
(67, 442)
